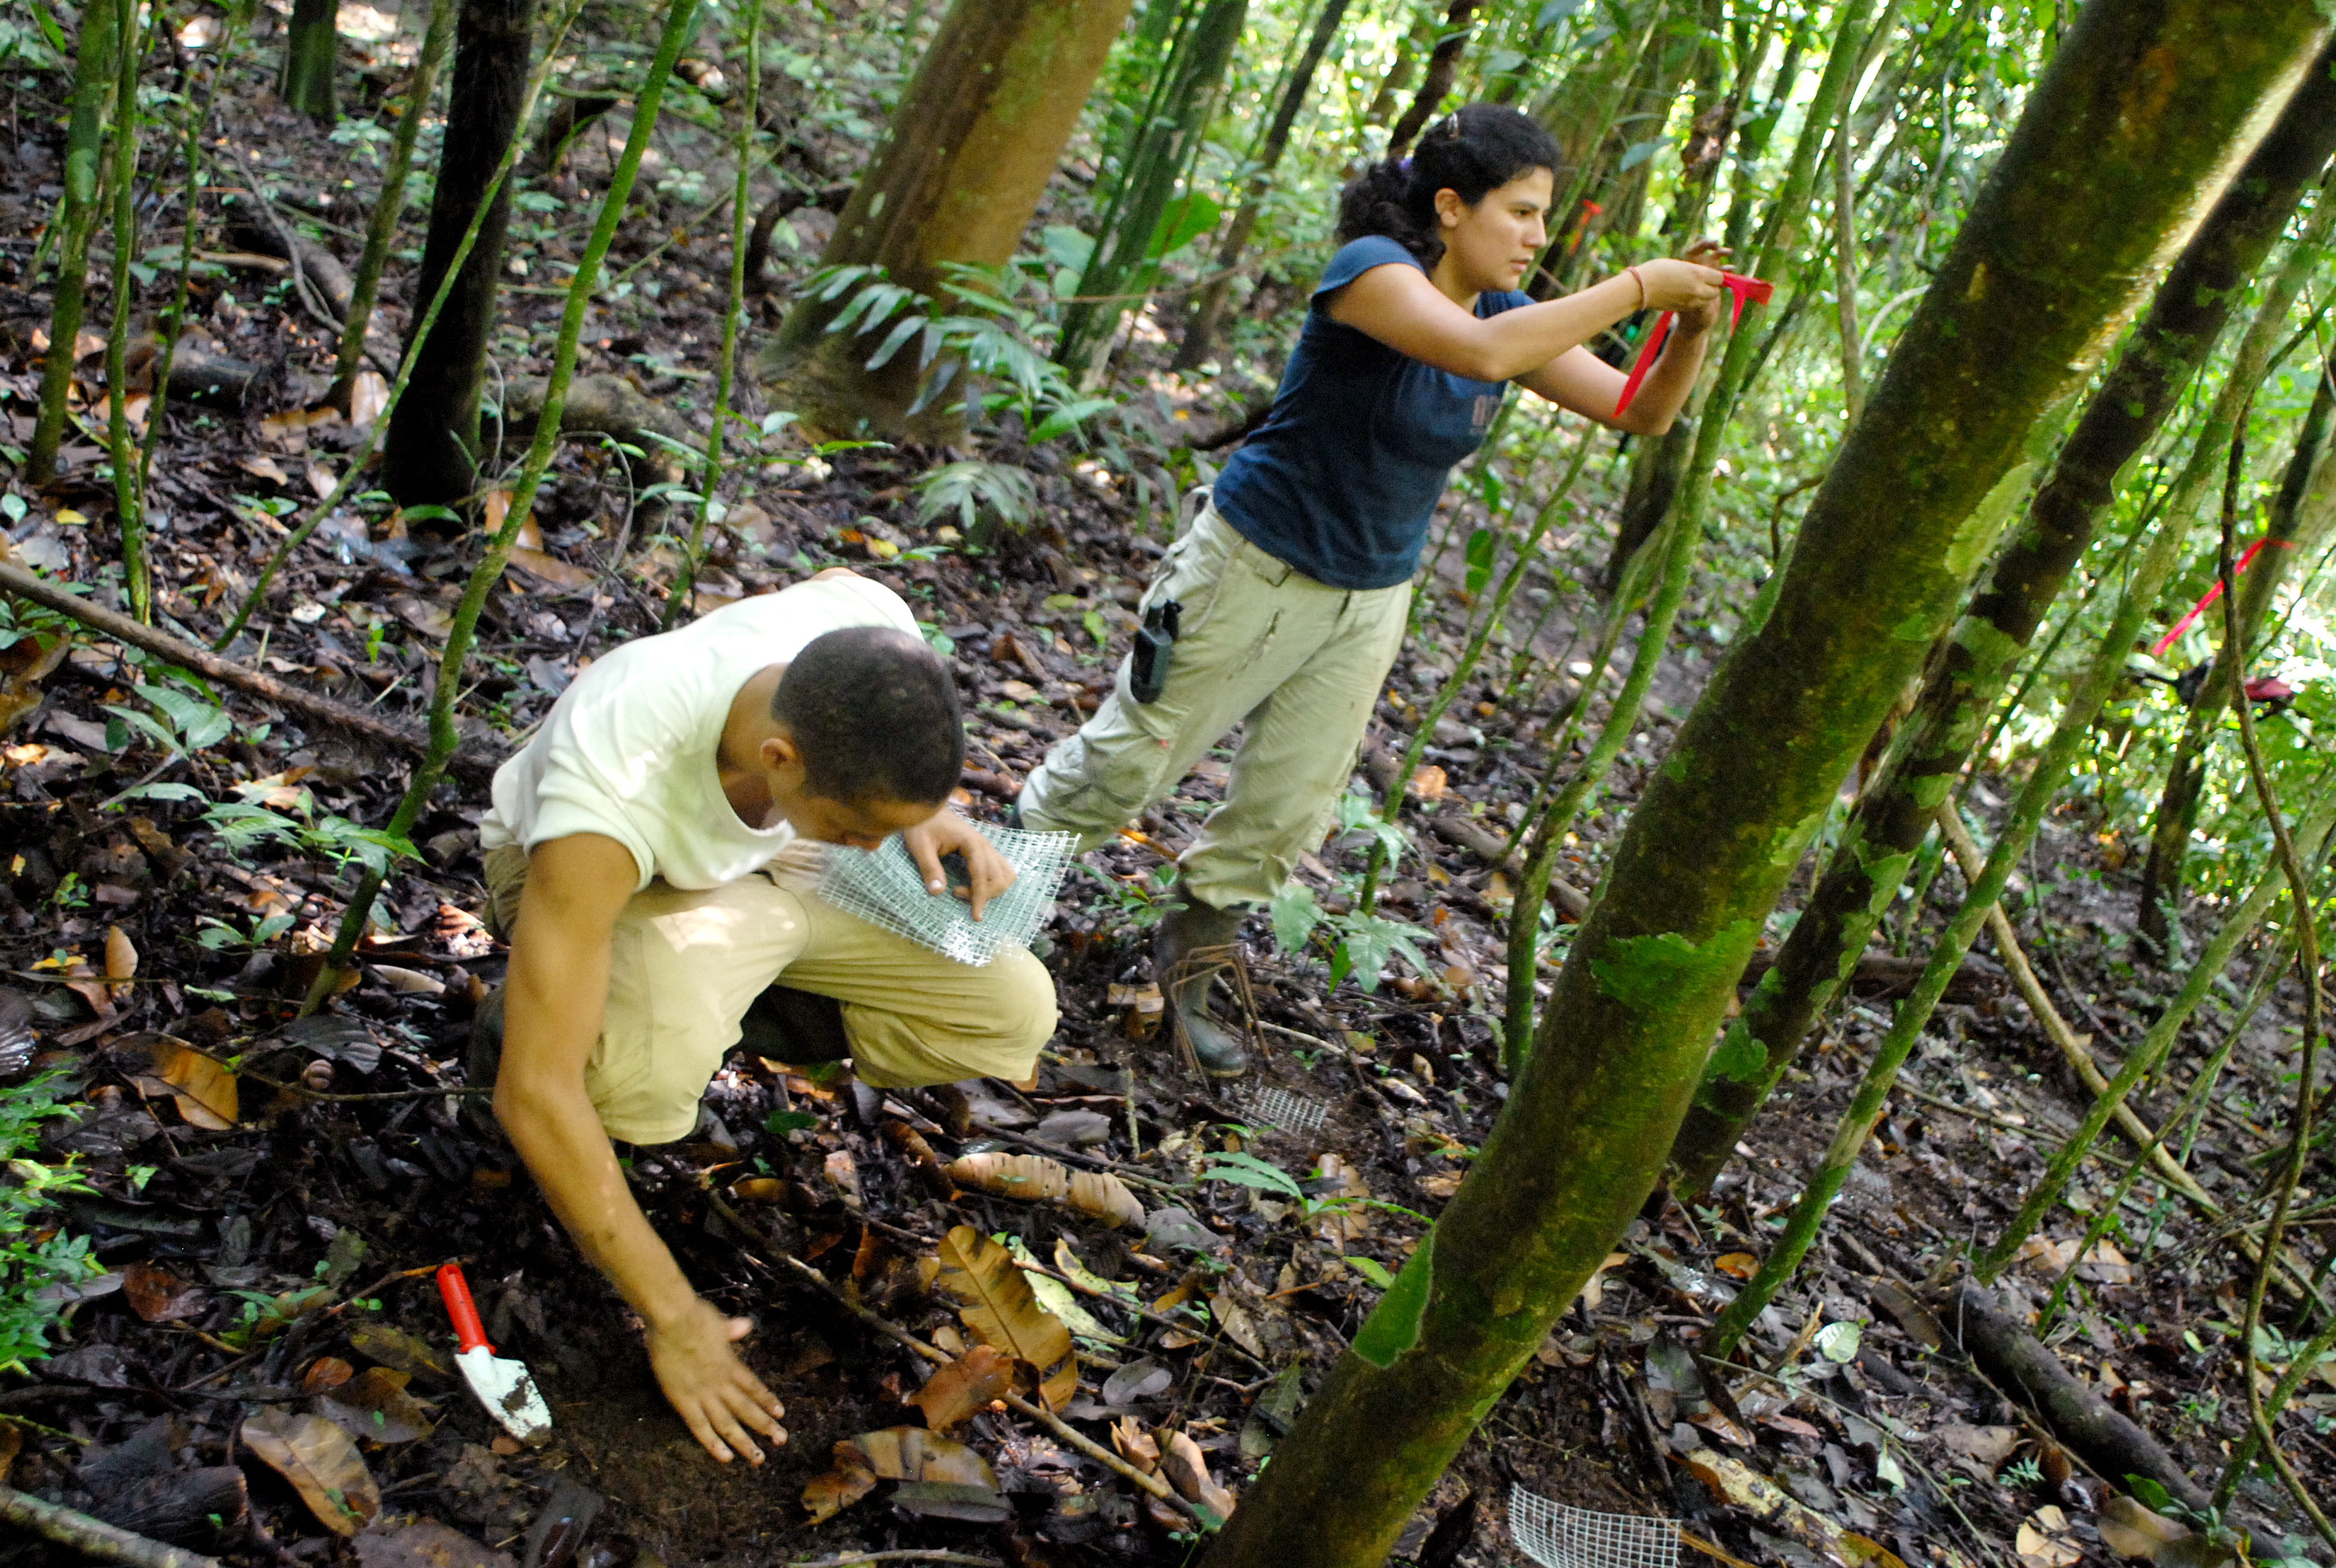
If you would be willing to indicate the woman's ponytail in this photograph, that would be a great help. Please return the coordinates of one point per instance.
(1475, 150)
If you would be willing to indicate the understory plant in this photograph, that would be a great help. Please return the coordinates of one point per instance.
(36, 1253)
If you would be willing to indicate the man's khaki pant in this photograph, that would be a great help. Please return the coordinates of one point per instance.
(685, 965)
(1300, 661)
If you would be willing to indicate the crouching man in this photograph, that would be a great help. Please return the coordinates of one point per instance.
(654, 856)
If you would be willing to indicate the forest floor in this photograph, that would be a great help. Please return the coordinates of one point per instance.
(267, 1228)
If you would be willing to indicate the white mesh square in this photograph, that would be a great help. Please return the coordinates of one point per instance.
(883, 887)
(1559, 1536)
(1280, 1109)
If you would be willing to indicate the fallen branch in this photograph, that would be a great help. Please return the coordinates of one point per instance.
(479, 758)
(2021, 1364)
(93, 1537)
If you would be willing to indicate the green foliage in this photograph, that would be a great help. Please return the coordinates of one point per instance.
(984, 496)
(31, 1256)
(243, 826)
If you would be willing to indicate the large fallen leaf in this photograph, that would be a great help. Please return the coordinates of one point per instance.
(1057, 1298)
(121, 959)
(158, 1296)
(375, 1407)
(998, 1306)
(549, 568)
(1737, 1484)
(1187, 1470)
(322, 1464)
(828, 1494)
(2041, 1540)
(949, 1500)
(163, 1065)
(2130, 1529)
(1036, 1179)
(394, 1348)
(369, 396)
(966, 1384)
(913, 1454)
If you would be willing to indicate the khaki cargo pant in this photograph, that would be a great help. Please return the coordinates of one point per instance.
(1300, 661)
(685, 965)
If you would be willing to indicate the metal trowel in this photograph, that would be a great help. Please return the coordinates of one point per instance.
(503, 1385)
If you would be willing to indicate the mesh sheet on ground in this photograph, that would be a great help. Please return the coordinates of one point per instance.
(1559, 1536)
(1280, 1109)
(883, 887)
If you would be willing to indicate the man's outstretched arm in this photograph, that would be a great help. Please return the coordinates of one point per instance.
(556, 994)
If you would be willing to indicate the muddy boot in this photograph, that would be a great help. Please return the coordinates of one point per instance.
(1193, 944)
(797, 1028)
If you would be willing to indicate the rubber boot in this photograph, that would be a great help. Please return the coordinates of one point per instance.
(1193, 943)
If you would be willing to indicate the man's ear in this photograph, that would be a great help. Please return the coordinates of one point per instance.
(779, 753)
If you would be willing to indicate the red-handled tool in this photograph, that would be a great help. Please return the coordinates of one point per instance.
(503, 1385)
(1747, 291)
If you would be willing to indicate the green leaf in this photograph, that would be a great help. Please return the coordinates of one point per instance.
(1639, 152)
(1481, 544)
(1374, 1271)
(1296, 913)
(781, 1123)
(1249, 1170)
(1392, 1327)
(1188, 217)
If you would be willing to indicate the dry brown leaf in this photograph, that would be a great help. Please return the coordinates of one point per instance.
(159, 1296)
(375, 1407)
(265, 468)
(1739, 1485)
(1037, 1179)
(12, 1442)
(913, 1454)
(322, 479)
(121, 958)
(826, 1495)
(322, 1464)
(1187, 1470)
(1135, 1443)
(428, 617)
(325, 1374)
(2130, 1529)
(1430, 784)
(2040, 1540)
(998, 1306)
(394, 1347)
(162, 1064)
(368, 395)
(1737, 1265)
(549, 568)
(964, 1385)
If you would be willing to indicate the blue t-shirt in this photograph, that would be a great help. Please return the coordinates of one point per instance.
(1342, 478)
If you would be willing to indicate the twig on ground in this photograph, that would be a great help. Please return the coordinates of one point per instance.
(93, 1537)
(476, 758)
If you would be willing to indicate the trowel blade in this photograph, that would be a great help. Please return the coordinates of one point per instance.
(507, 1391)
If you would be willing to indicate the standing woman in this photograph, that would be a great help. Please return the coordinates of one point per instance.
(1292, 586)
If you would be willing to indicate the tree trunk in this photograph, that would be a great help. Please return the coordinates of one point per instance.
(1971, 665)
(311, 38)
(1436, 86)
(1121, 265)
(1209, 313)
(2095, 192)
(92, 87)
(389, 204)
(971, 146)
(2185, 775)
(430, 453)
(1418, 41)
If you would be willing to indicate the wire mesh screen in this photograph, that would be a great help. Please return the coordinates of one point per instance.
(883, 887)
(1280, 1109)
(1558, 1536)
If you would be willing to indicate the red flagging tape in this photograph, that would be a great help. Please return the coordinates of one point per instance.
(1747, 290)
(2157, 649)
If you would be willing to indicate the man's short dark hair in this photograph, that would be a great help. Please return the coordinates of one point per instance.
(875, 715)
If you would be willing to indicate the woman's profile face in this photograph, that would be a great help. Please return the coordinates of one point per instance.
(1490, 245)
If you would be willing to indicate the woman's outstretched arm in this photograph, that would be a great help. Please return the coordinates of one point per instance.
(1400, 307)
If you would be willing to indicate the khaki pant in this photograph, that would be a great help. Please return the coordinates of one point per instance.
(1300, 661)
(685, 965)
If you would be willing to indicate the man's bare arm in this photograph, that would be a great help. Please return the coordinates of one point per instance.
(556, 994)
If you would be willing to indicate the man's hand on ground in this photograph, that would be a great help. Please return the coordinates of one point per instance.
(709, 1387)
(945, 833)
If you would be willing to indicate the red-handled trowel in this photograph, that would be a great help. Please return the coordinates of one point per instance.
(502, 1386)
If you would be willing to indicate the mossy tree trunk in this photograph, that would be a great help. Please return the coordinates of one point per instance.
(1970, 665)
(430, 455)
(311, 37)
(92, 88)
(1209, 314)
(2142, 117)
(2185, 773)
(974, 139)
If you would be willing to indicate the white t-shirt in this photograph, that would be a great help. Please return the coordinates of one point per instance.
(629, 749)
